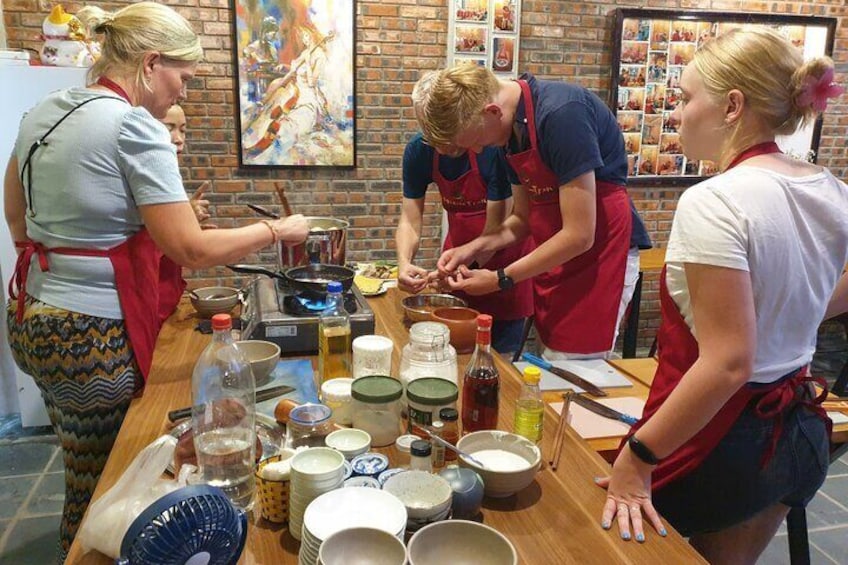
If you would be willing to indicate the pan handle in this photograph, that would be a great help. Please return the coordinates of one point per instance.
(253, 270)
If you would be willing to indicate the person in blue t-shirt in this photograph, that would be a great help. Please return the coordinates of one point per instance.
(568, 167)
(476, 196)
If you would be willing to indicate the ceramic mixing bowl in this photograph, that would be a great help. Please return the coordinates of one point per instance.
(262, 356)
(462, 323)
(211, 300)
(460, 542)
(511, 461)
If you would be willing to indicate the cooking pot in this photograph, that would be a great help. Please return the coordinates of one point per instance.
(326, 244)
(311, 278)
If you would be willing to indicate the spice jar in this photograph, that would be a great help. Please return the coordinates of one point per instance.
(376, 408)
(428, 354)
(336, 394)
(426, 397)
(308, 425)
(438, 430)
(419, 456)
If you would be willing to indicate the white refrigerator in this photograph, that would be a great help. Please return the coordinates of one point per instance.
(23, 86)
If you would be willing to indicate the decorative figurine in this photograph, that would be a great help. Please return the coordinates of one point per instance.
(66, 41)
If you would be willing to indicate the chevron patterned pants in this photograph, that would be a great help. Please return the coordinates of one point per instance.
(87, 374)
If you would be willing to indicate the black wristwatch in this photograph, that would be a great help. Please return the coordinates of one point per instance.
(505, 281)
(642, 451)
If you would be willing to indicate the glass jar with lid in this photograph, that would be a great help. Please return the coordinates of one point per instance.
(308, 425)
(376, 409)
(428, 354)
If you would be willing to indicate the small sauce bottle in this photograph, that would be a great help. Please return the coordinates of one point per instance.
(450, 433)
(437, 428)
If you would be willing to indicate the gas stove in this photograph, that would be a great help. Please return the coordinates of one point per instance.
(275, 313)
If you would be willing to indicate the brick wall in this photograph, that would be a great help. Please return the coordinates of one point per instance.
(396, 40)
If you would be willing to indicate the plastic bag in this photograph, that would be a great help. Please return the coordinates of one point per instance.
(110, 516)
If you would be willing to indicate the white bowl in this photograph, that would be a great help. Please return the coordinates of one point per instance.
(510, 473)
(460, 542)
(349, 441)
(362, 546)
(317, 464)
(425, 495)
(354, 507)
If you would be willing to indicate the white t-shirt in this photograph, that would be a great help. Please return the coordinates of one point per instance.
(791, 234)
(101, 163)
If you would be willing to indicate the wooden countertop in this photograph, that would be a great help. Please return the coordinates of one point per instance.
(554, 520)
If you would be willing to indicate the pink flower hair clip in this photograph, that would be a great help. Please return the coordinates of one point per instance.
(817, 91)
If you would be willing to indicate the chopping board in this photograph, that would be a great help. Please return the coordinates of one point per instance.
(596, 371)
(593, 426)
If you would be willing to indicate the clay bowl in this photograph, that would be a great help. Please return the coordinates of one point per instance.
(420, 307)
(462, 323)
(211, 300)
(262, 356)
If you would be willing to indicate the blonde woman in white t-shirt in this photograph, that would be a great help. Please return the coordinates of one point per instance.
(732, 436)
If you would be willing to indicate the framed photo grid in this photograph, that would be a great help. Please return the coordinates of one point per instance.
(295, 97)
(651, 48)
(485, 32)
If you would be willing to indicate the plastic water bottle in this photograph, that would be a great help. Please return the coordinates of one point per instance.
(334, 340)
(224, 414)
(529, 408)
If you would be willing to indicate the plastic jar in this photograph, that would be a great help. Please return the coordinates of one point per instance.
(428, 354)
(308, 425)
(376, 408)
(420, 456)
(426, 397)
(336, 394)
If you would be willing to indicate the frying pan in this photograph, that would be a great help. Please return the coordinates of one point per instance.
(308, 278)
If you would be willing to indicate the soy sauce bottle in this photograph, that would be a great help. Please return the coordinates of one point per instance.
(481, 384)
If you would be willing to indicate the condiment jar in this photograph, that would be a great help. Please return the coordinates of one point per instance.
(336, 394)
(425, 398)
(308, 425)
(428, 354)
(402, 445)
(419, 456)
(376, 408)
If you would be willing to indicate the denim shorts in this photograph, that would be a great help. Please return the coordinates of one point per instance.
(729, 487)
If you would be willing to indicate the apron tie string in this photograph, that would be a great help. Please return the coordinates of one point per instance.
(774, 404)
(17, 283)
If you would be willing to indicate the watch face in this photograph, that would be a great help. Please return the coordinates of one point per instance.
(505, 282)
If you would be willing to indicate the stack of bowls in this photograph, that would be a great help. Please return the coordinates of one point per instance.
(354, 507)
(314, 471)
(426, 497)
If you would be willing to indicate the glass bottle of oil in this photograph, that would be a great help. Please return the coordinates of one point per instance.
(334, 352)
(529, 408)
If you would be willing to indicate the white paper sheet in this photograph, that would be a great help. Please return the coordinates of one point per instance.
(596, 371)
(838, 417)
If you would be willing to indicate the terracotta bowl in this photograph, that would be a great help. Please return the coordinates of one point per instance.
(462, 323)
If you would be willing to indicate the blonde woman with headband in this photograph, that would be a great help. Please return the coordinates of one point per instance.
(476, 197)
(93, 199)
(733, 433)
(566, 161)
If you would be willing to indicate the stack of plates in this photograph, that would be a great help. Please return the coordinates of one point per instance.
(349, 508)
(314, 471)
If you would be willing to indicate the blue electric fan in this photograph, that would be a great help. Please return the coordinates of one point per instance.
(194, 525)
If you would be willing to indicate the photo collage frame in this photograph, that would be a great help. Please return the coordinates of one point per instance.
(652, 48)
(485, 32)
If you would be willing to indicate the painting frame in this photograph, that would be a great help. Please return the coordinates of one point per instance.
(650, 49)
(485, 32)
(293, 110)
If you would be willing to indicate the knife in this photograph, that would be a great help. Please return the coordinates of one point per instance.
(603, 410)
(261, 396)
(567, 375)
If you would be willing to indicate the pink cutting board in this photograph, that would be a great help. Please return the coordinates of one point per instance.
(592, 426)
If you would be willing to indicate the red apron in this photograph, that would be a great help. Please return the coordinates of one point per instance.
(149, 285)
(464, 200)
(677, 351)
(143, 294)
(576, 303)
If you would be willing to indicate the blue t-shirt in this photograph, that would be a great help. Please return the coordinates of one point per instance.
(577, 133)
(418, 169)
